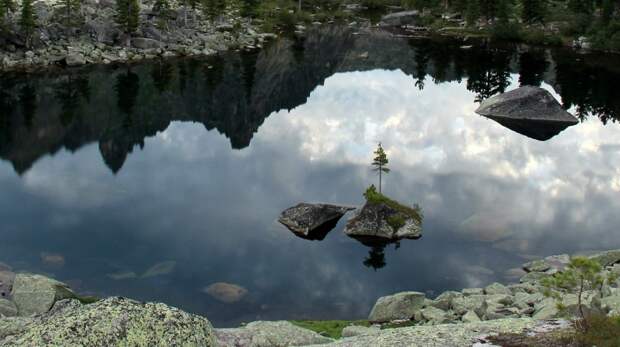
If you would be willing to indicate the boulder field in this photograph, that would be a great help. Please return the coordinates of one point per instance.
(39, 311)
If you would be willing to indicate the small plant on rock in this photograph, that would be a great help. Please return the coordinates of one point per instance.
(581, 275)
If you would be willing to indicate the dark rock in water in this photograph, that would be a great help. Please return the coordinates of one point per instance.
(400, 18)
(531, 111)
(312, 221)
(379, 222)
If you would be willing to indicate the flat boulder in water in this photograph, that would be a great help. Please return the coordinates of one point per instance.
(312, 221)
(381, 222)
(531, 111)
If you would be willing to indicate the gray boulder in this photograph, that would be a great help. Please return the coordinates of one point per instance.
(267, 334)
(36, 294)
(399, 306)
(355, 330)
(497, 288)
(476, 303)
(75, 59)
(434, 315)
(444, 300)
(109, 322)
(383, 223)
(7, 308)
(312, 221)
(145, 43)
(470, 317)
(400, 18)
(531, 111)
(7, 278)
(607, 258)
(551, 264)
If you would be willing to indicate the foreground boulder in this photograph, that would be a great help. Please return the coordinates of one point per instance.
(36, 294)
(109, 322)
(312, 221)
(399, 306)
(531, 111)
(268, 334)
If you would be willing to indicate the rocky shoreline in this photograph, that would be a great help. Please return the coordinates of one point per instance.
(98, 40)
(36, 310)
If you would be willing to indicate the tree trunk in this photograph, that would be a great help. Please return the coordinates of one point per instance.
(380, 172)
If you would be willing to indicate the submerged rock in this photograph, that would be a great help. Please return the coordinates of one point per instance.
(399, 306)
(312, 221)
(531, 111)
(268, 334)
(109, 322)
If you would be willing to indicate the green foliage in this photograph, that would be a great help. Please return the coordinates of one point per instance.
(6, 7)
(472, 12)
(581, 274)
(380, 162)
(396, 221)
(330, 328)
(27, 20)
(213, 8)
(375, 197)
(128, 15)
(603, 332)
(534, 11)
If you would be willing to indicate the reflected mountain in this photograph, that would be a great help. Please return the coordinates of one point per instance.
(234, 93)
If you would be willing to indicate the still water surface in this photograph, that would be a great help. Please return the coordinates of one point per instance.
(157, 180)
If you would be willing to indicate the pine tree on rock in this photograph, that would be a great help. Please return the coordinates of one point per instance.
(128, 15)
(380, 163)
(27, 21)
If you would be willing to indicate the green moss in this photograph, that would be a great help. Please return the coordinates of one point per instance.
(415, 212)
(88, 299)
(330, 328)
(396, 221)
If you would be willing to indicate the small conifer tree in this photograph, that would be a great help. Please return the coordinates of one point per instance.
(71, 8)
(128, 15)
(27, 20)
(380, 163)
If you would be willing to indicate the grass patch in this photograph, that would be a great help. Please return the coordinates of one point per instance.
(329, 328)
(415, 212)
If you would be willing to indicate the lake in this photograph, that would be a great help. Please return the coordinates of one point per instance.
(164, 180)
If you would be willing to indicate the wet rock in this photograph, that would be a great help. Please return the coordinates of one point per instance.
(226, 292)
(355, 330)
(109, 322)
(531, 111)
(267, 334)
(396, 307)
(36, 294)
(312, 221)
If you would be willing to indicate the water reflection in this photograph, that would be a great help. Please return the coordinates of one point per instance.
(493, 198)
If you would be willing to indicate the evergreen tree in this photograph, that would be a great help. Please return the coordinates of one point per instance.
(7, 6)
(249, 8)
(213, 8)
(488, 8)
(128, 15)
(27, 20)
(533, 11)
(72, 8)
(472, 13)
(380, 163)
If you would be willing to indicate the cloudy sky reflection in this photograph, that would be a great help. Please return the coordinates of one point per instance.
(187, 211)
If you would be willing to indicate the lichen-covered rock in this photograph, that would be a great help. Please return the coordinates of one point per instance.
(470, 317)
(6, 282)
(452, 335)
(444, 300)
(109, 322)
(312, 221)
(607, 258)
(35, 294)
(611, 305)
(472, 291)
(7, 308)
(355, 330)
(551, 264)
(497, 288)
(268, 334)
(434, 315)
(476, 303)
(381, 222)
(398, 306)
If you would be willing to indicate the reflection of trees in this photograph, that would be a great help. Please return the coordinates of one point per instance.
(28, 103)
(127, 87)
(588, 87)
(376, 257)
(7, 106)
(162, 73)
(421, 65)
(532, 68)
(489, 73)
(69, 93)
(248, 65)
